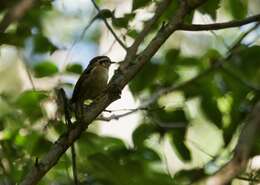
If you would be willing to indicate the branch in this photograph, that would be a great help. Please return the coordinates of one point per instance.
(117, 116)
(109, 27)
(242, 152)
(218, 26)
(148, 25)
(15, 13)
(117, 83)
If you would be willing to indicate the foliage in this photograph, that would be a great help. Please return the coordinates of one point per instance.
(219, 99)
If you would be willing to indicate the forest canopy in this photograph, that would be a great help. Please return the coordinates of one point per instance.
(181, 105)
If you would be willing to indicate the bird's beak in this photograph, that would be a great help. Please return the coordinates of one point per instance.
(112, 62)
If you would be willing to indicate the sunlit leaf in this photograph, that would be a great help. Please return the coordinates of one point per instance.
(210, 7)
(42, 44)
(74, 68)
(45, 68)
(238, 8)
(140, 3)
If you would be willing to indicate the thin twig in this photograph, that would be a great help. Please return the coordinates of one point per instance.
(27, 69)
(109, 27)
(218, 26)
(78, 39)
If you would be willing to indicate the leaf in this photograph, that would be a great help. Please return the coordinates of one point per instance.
(122, 22)
(140, 3)
(29, 103)
(245, 64)
(209, 94)
(42, 44)
(167, 70)
(145, 78)
(91, 143)
(238, 8)
(172, 56)
(210, 7)
(74, 68)
(177, 139)
(42, 145)
(132, 33)
(211, 109)
(169, 12)
(189, 176)
(111, 170)
(171, 116)
(142, 133)
(239, 99)
(147, 154)
(45, 68)
(105, 14)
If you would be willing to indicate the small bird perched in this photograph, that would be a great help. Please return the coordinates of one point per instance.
(92, 81)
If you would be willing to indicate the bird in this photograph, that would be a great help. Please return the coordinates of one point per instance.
(93, 81)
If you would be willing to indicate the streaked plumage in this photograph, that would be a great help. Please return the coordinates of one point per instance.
(92, 81)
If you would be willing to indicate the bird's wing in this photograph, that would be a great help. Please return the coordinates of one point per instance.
(78, 86)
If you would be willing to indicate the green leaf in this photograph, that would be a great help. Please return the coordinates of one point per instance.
(42, 44)
(122, 22)
(29, 102)
(145, 78)
(210, 7)
(142, 133)
(172, 56)
(132, 33)
(211, 109)
(147, 154)
(46, 68)
(169, 12)
(140, 3)
(177, 139)
(108, 169)
(245, 64)
(209, 94)
(171, 116)
(105, 14)
(41, 146)
(90, 144)
(74, 68)
(189, 176)
(238, 8)
(238, 107)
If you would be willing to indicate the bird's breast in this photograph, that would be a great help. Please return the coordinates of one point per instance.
(99, 80)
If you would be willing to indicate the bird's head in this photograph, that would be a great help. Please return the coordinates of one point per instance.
(103, 61)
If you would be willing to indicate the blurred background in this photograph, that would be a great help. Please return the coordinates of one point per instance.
(176, 138)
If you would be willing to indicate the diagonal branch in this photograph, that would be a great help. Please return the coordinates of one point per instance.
(148, 25)
(109, 27)
(15, 13)
(117, 83)
(218, 26)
